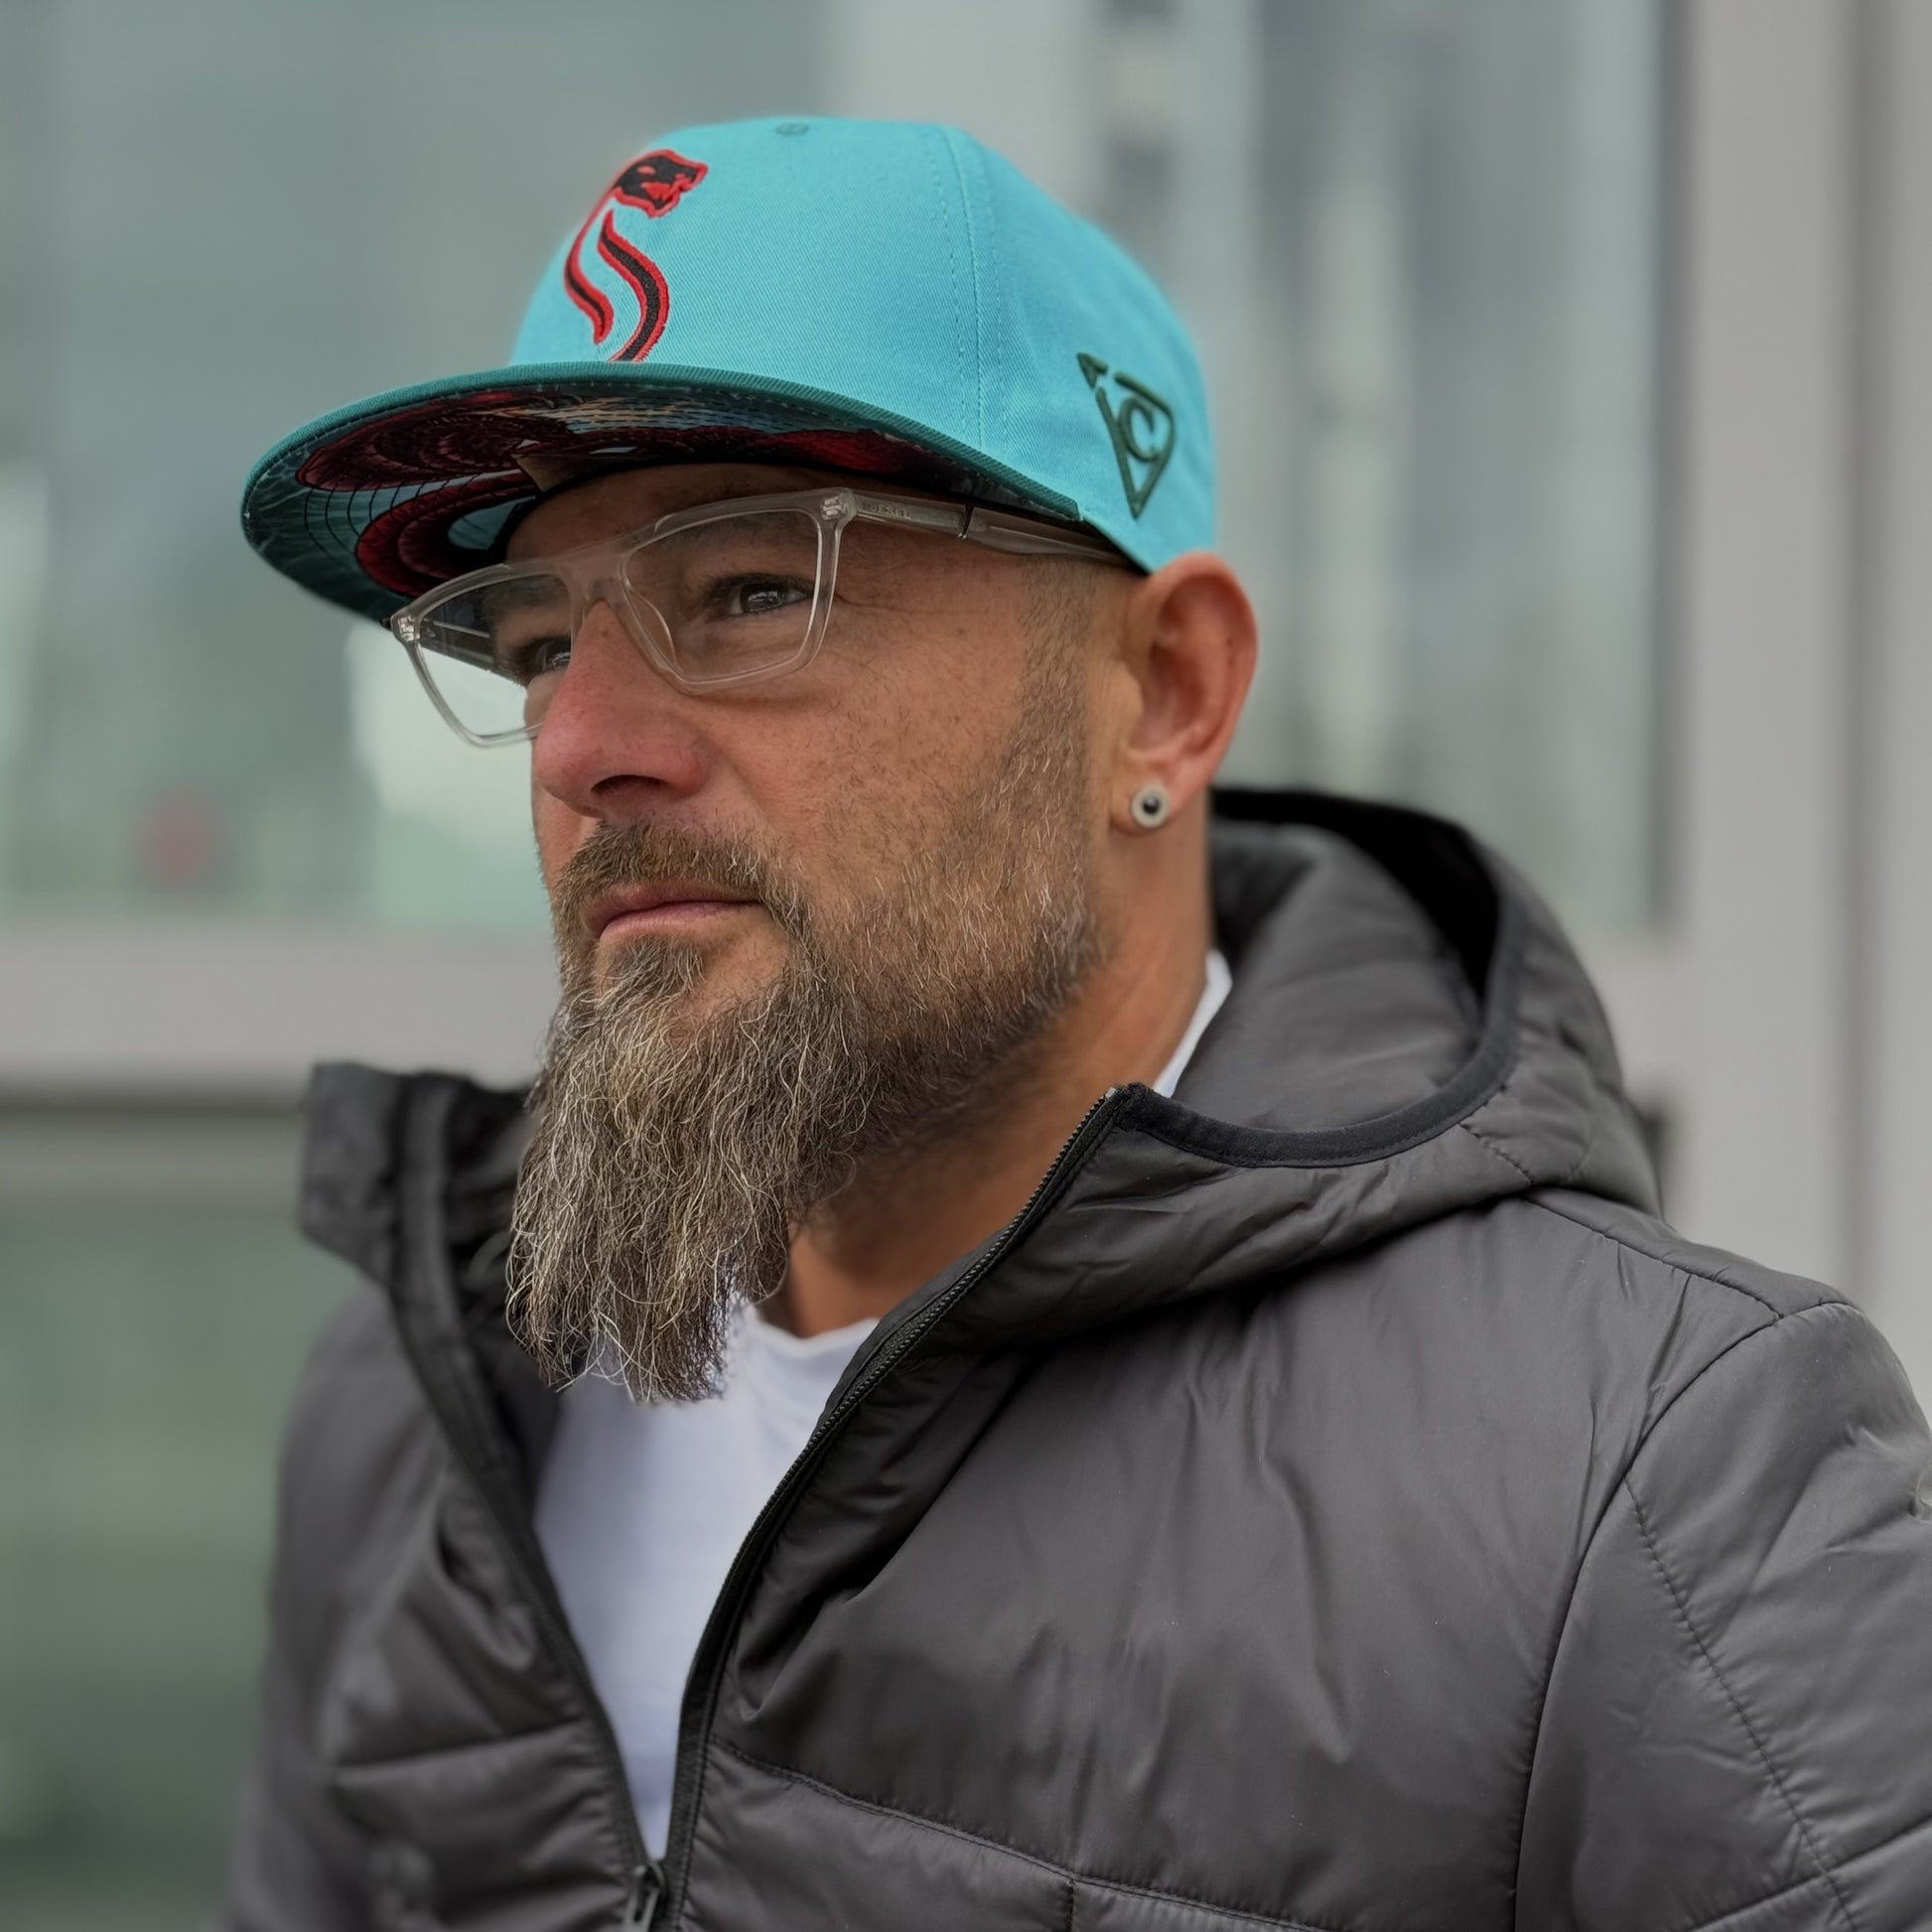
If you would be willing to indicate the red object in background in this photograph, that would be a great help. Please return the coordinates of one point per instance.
(181, 839)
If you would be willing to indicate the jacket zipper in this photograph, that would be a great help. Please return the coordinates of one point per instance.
(701, 1688)
(647, 1893)
(463, 1408)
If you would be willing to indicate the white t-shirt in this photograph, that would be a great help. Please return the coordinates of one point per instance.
(642, 1506)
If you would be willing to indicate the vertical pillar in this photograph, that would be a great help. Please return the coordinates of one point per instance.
(1892, 1183)
(1762, 712)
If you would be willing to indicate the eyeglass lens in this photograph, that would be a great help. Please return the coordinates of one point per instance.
(714, 602)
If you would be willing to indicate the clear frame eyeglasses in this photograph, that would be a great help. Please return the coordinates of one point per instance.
(721, 595)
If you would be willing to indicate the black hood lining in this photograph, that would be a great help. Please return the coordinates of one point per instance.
(1487, 927)
(1437, 863)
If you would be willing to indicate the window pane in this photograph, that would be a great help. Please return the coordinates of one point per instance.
(1443, 463)
(155, 1303)
(1436, 380)
(202, 250)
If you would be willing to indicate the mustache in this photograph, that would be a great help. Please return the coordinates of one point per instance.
(648, 854)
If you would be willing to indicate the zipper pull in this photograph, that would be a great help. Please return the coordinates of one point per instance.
(646, 1895)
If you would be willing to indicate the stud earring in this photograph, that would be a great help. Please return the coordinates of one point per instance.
(1149, 807)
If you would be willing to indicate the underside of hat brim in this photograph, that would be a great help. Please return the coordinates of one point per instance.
(372, 505)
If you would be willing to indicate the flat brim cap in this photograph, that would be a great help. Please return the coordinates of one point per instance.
(889, 299)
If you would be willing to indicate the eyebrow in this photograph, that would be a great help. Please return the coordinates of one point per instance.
(741, 486)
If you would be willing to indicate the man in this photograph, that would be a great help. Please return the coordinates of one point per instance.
(1118, 1364)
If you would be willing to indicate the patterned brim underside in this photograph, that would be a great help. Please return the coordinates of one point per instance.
(373, 512)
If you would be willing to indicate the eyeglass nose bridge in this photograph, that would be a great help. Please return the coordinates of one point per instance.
(601, 580)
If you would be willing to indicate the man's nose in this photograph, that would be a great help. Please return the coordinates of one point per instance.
(617, 736)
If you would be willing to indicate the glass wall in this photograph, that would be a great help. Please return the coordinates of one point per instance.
(1425, 275)
(220, 219)
(155, 1304)
(1418, 239)
(1454, 426)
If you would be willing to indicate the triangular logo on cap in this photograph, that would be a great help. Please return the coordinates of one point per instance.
(1139, 423)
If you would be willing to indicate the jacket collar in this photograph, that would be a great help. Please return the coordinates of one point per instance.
(1409, 1034)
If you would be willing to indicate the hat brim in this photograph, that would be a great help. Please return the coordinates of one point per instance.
(375, 503)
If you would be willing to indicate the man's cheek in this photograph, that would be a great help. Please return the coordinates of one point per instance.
(558, 832)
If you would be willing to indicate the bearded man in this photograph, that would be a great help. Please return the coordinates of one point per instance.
(1049, 1349)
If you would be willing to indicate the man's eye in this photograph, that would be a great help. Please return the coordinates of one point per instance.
(757, 597)
(526, 662)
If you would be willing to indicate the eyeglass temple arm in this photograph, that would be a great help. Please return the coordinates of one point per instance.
(1027, 536)
(1023, 535)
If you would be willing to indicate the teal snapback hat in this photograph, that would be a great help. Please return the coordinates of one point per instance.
(890, 299)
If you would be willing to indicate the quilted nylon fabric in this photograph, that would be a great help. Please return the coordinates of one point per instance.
(1341, 1503)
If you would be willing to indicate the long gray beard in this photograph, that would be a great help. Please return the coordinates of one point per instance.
(669, 1165)
(674, 1157)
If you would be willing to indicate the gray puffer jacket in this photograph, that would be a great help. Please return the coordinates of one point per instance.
(1337, 1501)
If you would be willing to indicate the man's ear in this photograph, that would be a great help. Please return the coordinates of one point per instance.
(1187, 659)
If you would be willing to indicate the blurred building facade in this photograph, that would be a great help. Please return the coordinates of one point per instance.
(1573, 440)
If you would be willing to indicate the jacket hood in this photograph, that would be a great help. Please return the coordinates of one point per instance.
(1409, 1034)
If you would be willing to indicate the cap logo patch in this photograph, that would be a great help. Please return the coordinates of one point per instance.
(1139, 424)
(655, 181)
